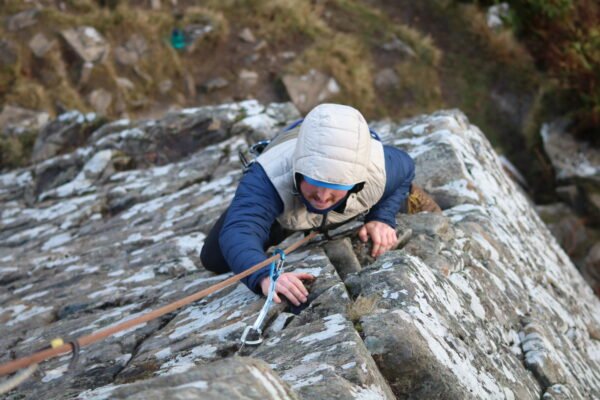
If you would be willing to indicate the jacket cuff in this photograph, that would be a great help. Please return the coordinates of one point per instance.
(255, 280)
(385, 221)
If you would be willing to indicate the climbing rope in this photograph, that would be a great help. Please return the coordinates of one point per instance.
(59, 347)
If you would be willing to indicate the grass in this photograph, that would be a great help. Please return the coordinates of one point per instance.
(419, 90)
(342, 38)
(273, 20)
(348, 61)
(15, 151)
(362, 306)
(28, 93)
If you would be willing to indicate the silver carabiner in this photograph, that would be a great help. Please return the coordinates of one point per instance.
(255, 336)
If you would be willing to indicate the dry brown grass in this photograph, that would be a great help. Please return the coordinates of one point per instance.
(203, 15)
(502, 44)
(423, 45)
(348, 60)
(362, 306)
(419, 89)
(29, 94)
(273, 19)
(15, 151)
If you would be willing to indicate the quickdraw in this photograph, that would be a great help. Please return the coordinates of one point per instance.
(253, 334)
(58, 346)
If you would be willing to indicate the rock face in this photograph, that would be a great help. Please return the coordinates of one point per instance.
(577, 168)
(480, 302)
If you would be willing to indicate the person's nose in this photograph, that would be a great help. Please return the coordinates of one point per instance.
(323, 193)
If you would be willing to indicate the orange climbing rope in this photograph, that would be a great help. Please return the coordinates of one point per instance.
(73, 346)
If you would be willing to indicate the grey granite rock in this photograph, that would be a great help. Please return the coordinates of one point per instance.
(479, 302)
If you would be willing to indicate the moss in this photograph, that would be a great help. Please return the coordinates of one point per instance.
(358, 327)
(7, 79)
(15, 151)
(29, 94)
(11, 7)
(66, 97)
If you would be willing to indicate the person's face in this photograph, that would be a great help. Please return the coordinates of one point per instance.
(320, 197)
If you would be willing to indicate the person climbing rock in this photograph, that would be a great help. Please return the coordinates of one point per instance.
(319, 172)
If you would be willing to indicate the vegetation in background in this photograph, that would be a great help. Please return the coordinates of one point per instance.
(564, 38)
(16, 150)
(479, 71)
(343, 57)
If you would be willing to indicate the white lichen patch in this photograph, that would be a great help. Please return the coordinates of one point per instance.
(333, 325)
(314, 271)
(22, 313)
(275, 389)
(145, 274)
(35, 295)
(164, 353)
(196, 385)
(55, 373)
(462, 283)
(192, 243)
(56, 241)
(200, 281)
(186, 361)
(195, 318)
(100, 393)
(305, 374)
(460, 187)
(371, 392)
(21, 289)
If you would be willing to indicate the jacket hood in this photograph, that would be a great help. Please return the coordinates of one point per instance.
(333, 146)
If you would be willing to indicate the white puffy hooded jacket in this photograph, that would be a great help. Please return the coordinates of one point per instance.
(333, 144)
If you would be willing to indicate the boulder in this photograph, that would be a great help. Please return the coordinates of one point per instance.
(571, 159)
(387, 79)
(22, 20)
(247, 36)
(215, 84)
(248, 78)
(497, 15)
(100, 100)
(134, 50)
(397, 45)
(40, 45)
(17, 120)
(67, 131)
(306, 91)
(87, 43)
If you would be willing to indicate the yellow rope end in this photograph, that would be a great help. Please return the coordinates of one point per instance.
(54, 343)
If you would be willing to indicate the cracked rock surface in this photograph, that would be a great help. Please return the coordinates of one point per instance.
(477, 302)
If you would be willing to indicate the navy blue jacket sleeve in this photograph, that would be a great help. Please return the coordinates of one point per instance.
(400, 172)
(245, 232)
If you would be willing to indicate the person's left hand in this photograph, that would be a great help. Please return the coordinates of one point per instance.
(384, 237)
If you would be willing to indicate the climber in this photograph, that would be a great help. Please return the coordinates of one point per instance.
(321, 171)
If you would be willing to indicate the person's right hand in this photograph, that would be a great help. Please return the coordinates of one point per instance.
(290, 285)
